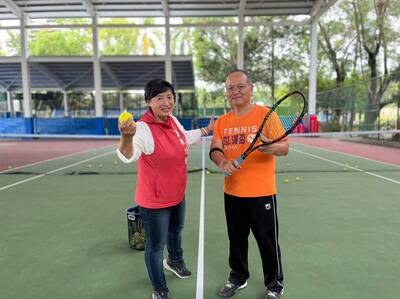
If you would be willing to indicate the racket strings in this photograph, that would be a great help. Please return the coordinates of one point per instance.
(285, 117)
(292, 115)
(273, 129)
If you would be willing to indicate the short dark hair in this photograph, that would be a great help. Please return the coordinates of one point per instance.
(155, 87)
(240, 71)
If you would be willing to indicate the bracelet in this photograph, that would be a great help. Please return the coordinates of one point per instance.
(213, 150)
(204, 130)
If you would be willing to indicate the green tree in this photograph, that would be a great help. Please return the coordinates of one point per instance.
(52, 42)
(130, 41)
(14, 42)
(337, 40)
(271, 55)
(373, 21)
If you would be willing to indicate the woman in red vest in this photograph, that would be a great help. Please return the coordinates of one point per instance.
(160, 145)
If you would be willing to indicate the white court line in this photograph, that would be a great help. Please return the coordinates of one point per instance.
(200, 254)
(55, 158)
(347, 166)
(347, 154)
(53, 171)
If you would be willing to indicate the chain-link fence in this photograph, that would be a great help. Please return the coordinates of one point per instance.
(356, 108)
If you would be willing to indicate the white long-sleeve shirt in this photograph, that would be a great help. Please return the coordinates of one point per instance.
(143, 141)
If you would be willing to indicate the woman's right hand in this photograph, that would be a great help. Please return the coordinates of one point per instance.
(127, 128)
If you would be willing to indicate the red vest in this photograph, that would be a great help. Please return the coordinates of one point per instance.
(162, 175)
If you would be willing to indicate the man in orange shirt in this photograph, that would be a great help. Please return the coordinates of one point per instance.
(250, 189)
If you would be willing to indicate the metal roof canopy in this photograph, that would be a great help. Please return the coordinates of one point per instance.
(76, 73)
(34, 9)
(310, 10)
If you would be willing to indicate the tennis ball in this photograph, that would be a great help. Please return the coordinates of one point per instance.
(124, 116)
(100, 165)
(9, 166)
(140, 246)
(288, 164)
(298, 178)
(208, 172)
(89, 165)
(115, 162)
(286, 181)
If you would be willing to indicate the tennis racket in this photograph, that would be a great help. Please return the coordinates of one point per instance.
(281, 120)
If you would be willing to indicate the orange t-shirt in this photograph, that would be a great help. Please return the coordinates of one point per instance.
(257, 175)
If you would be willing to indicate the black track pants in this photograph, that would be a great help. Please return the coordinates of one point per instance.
(258, 214)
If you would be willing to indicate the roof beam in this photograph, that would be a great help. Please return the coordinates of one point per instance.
(91, 10)
(143, 76)
(165, 8)
(40, 59)
(44, 70)
(79, 77)
(316, 8)
(13, 7)
(242, 8)
(320, 8)
(3, 85)
(111, 74)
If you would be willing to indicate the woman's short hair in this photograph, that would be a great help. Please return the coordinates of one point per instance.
(155, 87)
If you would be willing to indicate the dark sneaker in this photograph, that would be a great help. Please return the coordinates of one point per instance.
(179, 269)
(164, 294)
(273, 295)
(230, 289)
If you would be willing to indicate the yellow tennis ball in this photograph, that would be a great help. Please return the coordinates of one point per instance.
(297, 178)
(208, 172)
(286, 181)
(125, 116)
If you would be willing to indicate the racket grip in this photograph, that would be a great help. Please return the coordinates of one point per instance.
(238, 161)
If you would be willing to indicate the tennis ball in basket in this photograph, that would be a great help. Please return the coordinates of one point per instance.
(124, 116)
(140, 246)
(286, 181)
(298, 178)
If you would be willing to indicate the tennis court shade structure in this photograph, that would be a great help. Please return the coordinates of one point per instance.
(242, 13)
(117, 72)
(10, 9)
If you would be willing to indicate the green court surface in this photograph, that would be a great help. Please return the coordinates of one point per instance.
(64, 231)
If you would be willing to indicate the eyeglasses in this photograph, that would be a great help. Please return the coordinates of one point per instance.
(241, 87)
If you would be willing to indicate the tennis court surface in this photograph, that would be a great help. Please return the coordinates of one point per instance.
(64, 232)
